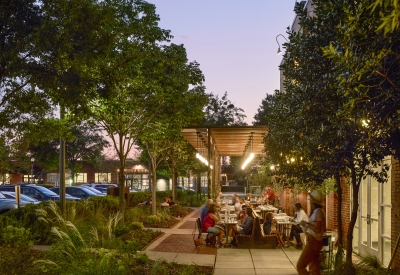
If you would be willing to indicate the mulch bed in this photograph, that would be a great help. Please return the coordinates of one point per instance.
(183, 243)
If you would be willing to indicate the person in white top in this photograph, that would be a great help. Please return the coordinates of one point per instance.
(315, 228)
(238, 206)
(218, 199)
(297, 228)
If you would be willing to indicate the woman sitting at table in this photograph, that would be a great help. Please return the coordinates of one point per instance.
(245, 228)
(267, 227)
(208, 223)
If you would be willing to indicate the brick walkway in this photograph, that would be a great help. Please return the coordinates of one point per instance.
(180, 243)
(179, 239)
(188, 225)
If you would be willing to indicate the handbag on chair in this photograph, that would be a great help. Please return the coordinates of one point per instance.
(199, 241)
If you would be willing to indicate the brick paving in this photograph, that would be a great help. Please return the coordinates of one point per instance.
(180, 241)
(183, 243)
(188, 225)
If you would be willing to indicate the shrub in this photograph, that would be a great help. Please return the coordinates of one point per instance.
(16, 237)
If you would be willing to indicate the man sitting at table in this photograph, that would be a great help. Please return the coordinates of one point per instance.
(296, 228)
(245, 228)
(205, 209)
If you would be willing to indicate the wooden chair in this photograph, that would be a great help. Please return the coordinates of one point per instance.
(257, 239)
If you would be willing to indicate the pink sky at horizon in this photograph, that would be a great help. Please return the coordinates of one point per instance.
(233, 41)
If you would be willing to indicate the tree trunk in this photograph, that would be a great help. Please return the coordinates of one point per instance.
(353, 219)
(173, 182)
(121, 180)
(339, 241)
(154, 189)
(72, 168)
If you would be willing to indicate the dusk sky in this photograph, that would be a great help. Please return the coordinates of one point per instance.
(234, 41)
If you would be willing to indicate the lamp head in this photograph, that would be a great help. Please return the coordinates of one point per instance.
(279, 51)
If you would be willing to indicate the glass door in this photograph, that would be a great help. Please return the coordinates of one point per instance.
(373, 224)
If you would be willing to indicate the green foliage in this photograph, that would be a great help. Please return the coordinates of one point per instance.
(222, 112)
(138, 197)
(104, 205)
(16, 237)
(26, 217)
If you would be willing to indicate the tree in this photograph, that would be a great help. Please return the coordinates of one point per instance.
(310, 136)
(87, 145)
(222, 112)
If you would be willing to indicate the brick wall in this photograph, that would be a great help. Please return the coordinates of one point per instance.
(331, 211)
(346, 199)
(288, 198)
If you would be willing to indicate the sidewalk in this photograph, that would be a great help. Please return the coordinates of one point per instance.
(176, 245)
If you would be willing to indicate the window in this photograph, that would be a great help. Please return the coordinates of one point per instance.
(81, 178)
(102, 177)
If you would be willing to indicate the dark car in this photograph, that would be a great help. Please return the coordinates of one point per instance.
(94, 190)
(25, 198)
(76, 191)
(34, 191)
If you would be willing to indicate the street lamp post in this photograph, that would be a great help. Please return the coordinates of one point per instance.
(32, 162)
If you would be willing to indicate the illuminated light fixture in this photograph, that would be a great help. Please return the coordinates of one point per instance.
(251, 156)
(279, 46)
(198, 155)
(365, 122)
(248, 160)
(272, 167)
(292, 159)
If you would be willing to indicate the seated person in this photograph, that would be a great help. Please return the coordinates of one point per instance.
(245, 228)
(233, 200)
(238, 206)
(267, 227)
(218, 199)
(148, 202)
(205, 209)
(296, 228)
(249, 197)
(208, 223)
(165, 202)
(171, 202)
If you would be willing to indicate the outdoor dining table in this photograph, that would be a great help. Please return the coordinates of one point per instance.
(284, 226)
(265, 209)
(226, 224)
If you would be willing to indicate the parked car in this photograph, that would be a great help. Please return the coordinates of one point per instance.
(102, 185)
(34, 191)
(94, 190)
(184, 188)
(101, 189)
(8, 204)
(76, 191)
(11, 195)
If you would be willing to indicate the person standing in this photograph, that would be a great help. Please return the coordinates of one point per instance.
(271, 196)
(315, 229)
(296, 228)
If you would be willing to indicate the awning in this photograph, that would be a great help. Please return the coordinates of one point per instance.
(228, 140)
